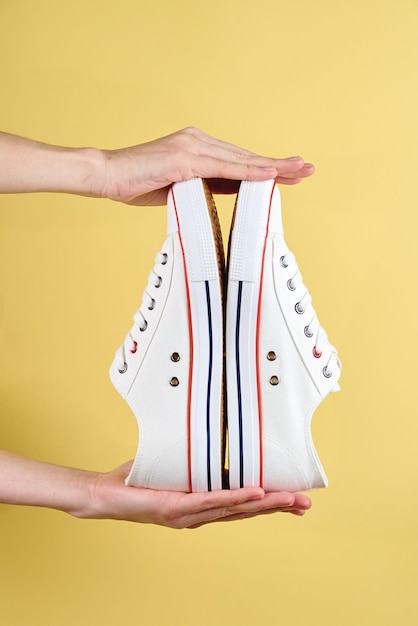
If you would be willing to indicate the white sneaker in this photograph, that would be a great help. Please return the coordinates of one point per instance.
(279, 363)
(170, 367)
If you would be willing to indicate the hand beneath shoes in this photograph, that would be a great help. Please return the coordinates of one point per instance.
(141, 174)
(94, 495)
(113, 500)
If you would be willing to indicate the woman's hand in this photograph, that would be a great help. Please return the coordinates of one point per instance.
(141, 174)
(112, 499)
(95, 495)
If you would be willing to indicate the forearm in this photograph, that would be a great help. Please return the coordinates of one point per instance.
(28, 482)
(31, 166)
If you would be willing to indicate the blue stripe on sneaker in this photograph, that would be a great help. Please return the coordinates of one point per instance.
(238, 371)
(208, 395)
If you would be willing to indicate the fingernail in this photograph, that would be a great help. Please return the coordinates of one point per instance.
(294, 158)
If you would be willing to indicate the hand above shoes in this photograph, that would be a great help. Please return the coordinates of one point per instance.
(140, 174)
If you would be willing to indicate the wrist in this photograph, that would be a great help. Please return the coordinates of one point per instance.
(82, 172)
(78, 494)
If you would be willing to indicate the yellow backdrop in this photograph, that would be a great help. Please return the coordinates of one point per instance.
(333, 81)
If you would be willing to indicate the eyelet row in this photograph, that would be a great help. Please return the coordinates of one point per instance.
(143, 328)
(300, 311)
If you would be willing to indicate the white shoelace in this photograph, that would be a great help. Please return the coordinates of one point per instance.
(130, 345)
(313, 328)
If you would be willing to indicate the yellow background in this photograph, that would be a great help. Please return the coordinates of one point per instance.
(333, 81)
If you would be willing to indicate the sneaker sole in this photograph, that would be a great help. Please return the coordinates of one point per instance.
(202, 249)
(245, 274)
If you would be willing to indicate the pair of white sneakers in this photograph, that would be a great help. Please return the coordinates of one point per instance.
(218, 351)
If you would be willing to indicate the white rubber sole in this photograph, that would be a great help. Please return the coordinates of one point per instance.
(245, 270)
(202, 276)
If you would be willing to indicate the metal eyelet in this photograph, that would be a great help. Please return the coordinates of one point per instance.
(283, 262)
(142, 328)
(165, 259)
(175, 357)
(160, 280)
(326, 372)
(174, 382)
(274, 380)
(290, 285)
(124, 368)
(308, 332)
(271, 356)
(152, 305)
(298, 310)
(135, 348)
(316, 354)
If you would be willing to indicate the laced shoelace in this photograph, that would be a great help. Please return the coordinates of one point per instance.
(313, 328)
(130, 345)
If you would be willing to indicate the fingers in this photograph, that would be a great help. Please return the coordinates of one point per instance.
(225, 187)
(206, 145)
(219, 501)
(237, 504)
(305, 171)
(219, 159)
(208, 166)
(215, 169)
(244, 516)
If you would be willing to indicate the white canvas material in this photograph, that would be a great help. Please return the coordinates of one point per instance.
(169, 369)
(279, 362)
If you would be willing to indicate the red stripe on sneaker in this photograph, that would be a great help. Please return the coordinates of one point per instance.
(189, 314)
(257, 345)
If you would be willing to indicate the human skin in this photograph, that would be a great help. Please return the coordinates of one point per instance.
(140, 174)
(137, 175)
